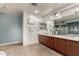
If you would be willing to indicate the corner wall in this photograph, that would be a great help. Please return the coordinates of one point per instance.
(30, 33)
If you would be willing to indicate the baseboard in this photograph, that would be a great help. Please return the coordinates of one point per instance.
(10, 43)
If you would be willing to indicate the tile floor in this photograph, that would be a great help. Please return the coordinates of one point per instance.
(30, 50)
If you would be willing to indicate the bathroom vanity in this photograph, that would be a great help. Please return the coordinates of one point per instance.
(63, 44)
(65, 35)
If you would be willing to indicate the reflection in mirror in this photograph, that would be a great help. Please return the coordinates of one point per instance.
(66, 27)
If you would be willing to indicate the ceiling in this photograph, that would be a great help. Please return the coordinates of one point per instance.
(43, 8)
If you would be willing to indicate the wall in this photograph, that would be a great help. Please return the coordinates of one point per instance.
(30, 32)
(10, 28)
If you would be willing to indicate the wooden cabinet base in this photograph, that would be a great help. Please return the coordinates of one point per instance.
(72, 48)
(64, 46)
(60, 45)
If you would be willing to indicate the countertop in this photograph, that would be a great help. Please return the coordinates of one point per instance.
(69, 37)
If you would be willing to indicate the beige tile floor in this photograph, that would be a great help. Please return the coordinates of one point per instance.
(30, 50)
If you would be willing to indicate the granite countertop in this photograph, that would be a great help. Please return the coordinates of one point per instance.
(74, 38)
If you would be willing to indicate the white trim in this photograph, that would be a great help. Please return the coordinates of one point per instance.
(10, 43)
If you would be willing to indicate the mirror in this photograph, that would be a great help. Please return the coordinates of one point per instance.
(68, 26)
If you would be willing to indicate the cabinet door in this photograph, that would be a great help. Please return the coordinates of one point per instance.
(44, 38)
(41, 39)
(60, 45)
(46, 41)
(52, 42)
(72, 48)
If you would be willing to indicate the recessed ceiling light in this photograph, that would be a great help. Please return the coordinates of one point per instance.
(36, 11)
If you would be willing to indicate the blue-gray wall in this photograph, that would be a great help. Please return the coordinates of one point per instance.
(10, 28)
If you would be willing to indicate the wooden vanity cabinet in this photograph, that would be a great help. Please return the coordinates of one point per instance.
(40, 39)
(46, 40)
(57, 44)
(64, 46)
(43, 39)
(60, 45)
(72, 48)
(52, 42)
